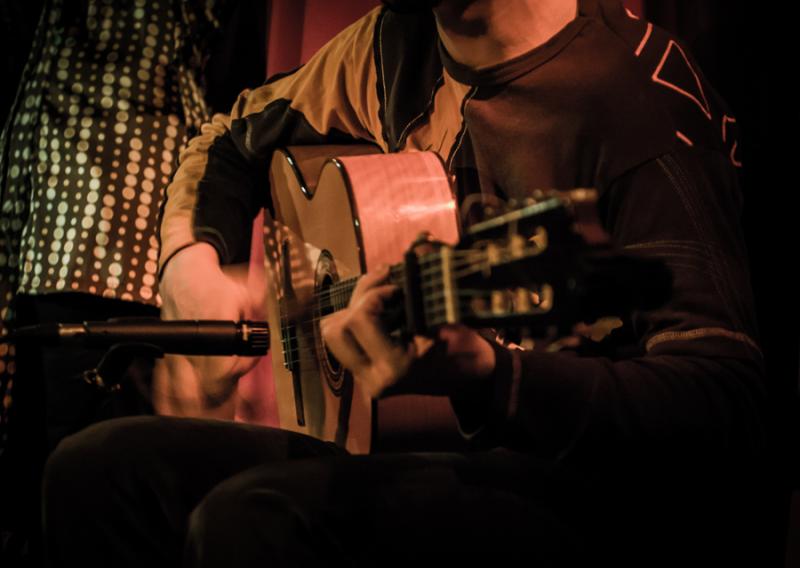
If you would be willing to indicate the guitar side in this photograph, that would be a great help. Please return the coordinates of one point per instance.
(364, 210)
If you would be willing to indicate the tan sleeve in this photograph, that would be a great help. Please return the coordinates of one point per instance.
(181, 196)
(332, 97)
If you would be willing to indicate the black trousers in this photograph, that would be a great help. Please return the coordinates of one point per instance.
(158, 491)
(151, 491)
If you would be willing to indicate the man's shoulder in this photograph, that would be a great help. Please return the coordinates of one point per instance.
(640, 91)
(648, 76)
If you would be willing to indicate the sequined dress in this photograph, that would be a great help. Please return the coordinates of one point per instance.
(106, 102)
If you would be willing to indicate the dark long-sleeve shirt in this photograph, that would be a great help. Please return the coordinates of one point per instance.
(609, 102)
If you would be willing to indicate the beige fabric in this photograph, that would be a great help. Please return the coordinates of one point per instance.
(334, 90)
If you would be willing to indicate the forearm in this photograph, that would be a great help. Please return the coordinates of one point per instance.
(178, 390)
(558, 404)
(195, 286)
(685, 377)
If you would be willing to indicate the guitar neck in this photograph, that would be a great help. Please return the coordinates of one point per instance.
(506, 280)
(337, 296)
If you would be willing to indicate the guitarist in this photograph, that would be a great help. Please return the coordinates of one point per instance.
(618, 457)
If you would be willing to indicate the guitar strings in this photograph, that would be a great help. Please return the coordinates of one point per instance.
(338, 294)
(426, 263)
(467, 265)
(429, 264)
(431, 310)
(309, 354)
(345, 287)
(431, 307)
(426, 285)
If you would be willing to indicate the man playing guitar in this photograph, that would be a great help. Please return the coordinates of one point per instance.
(513, 95)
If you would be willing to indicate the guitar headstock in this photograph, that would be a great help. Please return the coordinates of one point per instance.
(563, 214)
(543, 267)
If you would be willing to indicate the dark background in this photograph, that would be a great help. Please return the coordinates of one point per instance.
(750, 57)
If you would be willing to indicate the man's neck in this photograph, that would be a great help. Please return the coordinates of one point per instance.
(482, 33)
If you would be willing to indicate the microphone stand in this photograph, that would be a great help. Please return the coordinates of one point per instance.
(120, 360)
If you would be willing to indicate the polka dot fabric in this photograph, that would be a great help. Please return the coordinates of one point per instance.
(106, 103)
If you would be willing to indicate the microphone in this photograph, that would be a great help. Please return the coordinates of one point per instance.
(184, 337)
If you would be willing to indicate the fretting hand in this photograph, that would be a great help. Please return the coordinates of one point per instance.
(357, 339)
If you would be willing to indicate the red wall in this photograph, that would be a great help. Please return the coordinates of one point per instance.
(298, 28)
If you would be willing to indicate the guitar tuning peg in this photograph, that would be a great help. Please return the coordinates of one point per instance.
(522, 300)
(499, 302)
(492, 253)
(492, 258)
(517, 245)
(546, 297)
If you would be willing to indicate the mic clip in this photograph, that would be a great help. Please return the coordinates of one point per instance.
(131, 362)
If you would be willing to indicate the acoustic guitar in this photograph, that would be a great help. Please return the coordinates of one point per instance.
(336, 218)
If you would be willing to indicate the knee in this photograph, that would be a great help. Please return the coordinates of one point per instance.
(237, 521)
(231, 511)
(88, 459)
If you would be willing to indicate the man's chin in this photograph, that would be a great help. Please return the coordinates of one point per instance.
(410, 6)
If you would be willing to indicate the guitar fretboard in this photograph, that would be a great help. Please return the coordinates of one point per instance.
(337, 296)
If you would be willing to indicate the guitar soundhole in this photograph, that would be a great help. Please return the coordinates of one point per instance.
(325, 310)
(326, 276)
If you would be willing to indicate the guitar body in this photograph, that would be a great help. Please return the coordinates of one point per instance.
(336, 219)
